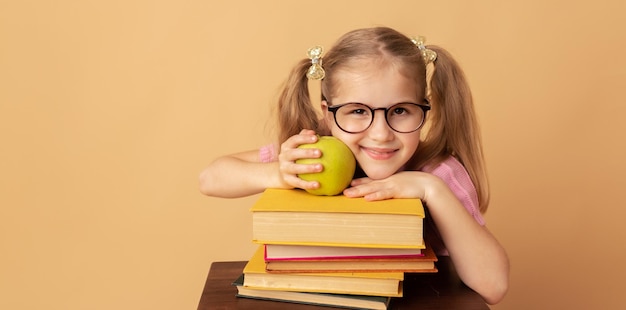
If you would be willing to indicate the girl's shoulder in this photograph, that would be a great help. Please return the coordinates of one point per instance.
(454, 174)
(448, 167)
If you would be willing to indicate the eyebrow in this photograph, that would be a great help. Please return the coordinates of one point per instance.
(424, 102)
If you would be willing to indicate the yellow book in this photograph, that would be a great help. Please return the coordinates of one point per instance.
(294, 216)
(354, 283)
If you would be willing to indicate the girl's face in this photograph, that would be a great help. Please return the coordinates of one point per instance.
(379, 150)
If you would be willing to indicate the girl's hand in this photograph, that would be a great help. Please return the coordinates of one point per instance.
(405, 184)
(289, 153)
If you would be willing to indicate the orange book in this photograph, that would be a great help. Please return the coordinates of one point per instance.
(317, 299)
(354, 283)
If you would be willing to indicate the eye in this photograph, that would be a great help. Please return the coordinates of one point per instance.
(404, 109)
(358, 111)
(355, 110)
(399, 111)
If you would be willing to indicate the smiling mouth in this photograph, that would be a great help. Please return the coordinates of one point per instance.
(379, 154)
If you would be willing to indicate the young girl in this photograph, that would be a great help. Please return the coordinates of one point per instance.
(375, 98)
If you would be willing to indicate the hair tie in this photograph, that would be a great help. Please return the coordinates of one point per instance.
(428, 54)
(316, 72)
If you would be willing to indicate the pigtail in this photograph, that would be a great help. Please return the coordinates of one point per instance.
(454, 126)
(295, 111)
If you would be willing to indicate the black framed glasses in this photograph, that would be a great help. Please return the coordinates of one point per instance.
(404, 117)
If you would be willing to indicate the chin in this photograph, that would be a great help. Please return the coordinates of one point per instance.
(378, 175)
(380, 172)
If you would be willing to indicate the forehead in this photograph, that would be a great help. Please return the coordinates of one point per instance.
(376, 83)
(365, 64)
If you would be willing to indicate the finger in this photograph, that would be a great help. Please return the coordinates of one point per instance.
(307, 132)
(369, 194)
(293, 155)
(304, 137)
(296, 169)
(369, 190)
(355, 191)
(288, 167)
(360, 181)
(296, 140)
(309, 184)
(300, 183)
(379, 195)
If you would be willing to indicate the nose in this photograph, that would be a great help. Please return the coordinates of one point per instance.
(379, 130)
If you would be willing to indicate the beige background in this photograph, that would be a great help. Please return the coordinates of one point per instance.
(110, 109)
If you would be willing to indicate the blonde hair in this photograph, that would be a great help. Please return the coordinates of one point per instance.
(452, 125)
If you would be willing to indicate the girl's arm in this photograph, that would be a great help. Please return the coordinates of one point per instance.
(480, 260)
(239, 175)
(243, 174)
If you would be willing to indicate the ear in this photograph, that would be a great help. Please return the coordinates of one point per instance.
(324, 105)
(327, 115)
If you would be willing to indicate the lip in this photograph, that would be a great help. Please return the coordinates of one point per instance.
(379, 153)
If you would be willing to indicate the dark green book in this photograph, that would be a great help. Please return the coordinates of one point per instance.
(318, 299)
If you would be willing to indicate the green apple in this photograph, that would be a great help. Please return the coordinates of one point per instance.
(338, 162)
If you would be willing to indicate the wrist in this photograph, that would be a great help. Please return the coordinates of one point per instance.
(434, 189)
(277, 180)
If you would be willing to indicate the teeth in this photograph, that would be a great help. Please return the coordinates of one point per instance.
(380, 152)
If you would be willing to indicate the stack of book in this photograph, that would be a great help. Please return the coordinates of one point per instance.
(334, 250)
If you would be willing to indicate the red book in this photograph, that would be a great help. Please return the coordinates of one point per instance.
(425, 262)
(276, 252)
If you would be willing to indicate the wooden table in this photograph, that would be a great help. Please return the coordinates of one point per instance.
(441, 290)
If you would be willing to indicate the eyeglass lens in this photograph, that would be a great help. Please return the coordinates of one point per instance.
(357, 117)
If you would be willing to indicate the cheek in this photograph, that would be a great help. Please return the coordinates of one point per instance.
(329, 119)
(351, 140)
(412, 142)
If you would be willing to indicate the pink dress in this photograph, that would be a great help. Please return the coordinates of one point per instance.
(451, 171)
